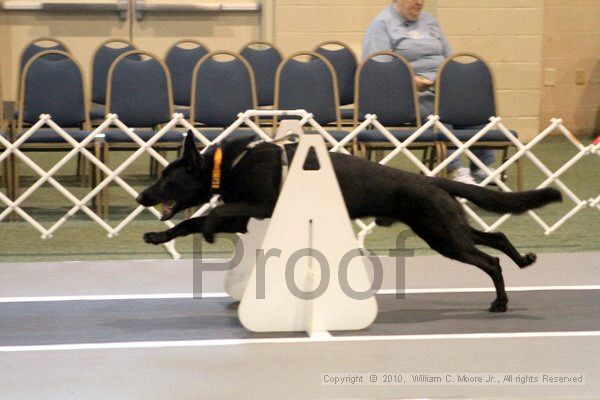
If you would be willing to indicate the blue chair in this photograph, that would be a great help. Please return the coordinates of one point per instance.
(139, 91)
(221, 89)
(466, 99)
(310, 84)
(264, 58)
(37, 46)
(181, 58)
(104, 55)
(385, 87)
(52, 83)
(344, 61)
(32, 48)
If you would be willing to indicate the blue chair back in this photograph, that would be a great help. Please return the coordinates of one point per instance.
(103, 58)
(52, 83)
(222, 89)
(34, 47)
(385, 87)
(264, 63)
(139, 90)
(465, 92)
(181, 62)
(310, 85)
(344, 62)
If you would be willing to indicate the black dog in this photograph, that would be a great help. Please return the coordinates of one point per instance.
(249, 187)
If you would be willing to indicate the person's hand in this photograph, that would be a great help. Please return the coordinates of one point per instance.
(422, 83)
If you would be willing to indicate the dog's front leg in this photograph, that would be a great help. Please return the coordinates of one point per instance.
(184, 228)
(195, 225)
(229, 211)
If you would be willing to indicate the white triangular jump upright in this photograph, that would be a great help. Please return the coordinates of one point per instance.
(309, 235)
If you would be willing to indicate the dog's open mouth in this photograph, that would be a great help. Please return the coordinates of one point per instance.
(168, 208)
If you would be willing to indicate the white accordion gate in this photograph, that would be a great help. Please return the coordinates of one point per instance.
(306, 120)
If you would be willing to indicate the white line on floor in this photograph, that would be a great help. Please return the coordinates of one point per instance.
(156, 296)
(236, 342)
(490, 289)
(109, 297)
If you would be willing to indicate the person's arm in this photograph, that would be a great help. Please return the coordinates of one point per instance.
(376, 39)
(422, 83)
(446, 48)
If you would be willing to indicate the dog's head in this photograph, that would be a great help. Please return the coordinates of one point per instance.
(184, 183)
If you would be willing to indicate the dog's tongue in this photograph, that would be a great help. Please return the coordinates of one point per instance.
(167, 207)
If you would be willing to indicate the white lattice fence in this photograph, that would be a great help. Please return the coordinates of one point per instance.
(306, 119)
(522, 151)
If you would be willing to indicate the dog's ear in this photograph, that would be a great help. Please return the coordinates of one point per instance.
(190, 153)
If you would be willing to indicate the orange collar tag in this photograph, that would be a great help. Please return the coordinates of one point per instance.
(216, 173)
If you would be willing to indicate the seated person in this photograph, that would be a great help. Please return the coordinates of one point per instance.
(404, 28)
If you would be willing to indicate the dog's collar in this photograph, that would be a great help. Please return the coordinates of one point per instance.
(218, 159)
(290, 138)
(216, 172)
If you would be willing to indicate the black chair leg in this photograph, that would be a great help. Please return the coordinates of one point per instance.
(425, 155)
(520, 179)
(7, 177)
(432, 157)
(78, 169)
(159, 166)
(153, 168)
(104, 152)
(14, 192)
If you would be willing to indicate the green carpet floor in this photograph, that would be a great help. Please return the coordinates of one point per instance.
(82, 239)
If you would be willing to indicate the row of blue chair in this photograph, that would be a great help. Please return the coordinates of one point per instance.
(184, 54)
(263, 57)
(139, 89)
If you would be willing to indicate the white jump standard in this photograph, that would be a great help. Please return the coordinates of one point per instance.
(313, 241)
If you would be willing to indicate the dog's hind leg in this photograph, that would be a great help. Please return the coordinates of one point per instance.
(440, 221)
(452, 240)
(456, 244)
(499, 241)
(490, 265)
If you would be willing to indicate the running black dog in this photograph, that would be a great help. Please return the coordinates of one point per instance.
(249, 178)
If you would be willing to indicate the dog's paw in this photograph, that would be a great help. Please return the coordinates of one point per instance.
(156, 237)
(528, 259)
(385, 222)
(209, 237)
(499, 305)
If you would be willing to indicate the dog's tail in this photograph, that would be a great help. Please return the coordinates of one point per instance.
(500, 202)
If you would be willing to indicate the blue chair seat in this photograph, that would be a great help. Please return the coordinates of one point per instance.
(211, 134)
(465, 134)
(118, 136)
(183, 110)
(347, 113)
(374, 136)
(337, 135)
(50, 136)
(97, 111)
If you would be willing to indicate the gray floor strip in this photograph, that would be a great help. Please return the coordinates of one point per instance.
(536, 311)
(35, 323)
(291, 370)
(122, 321)
(169, 276)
